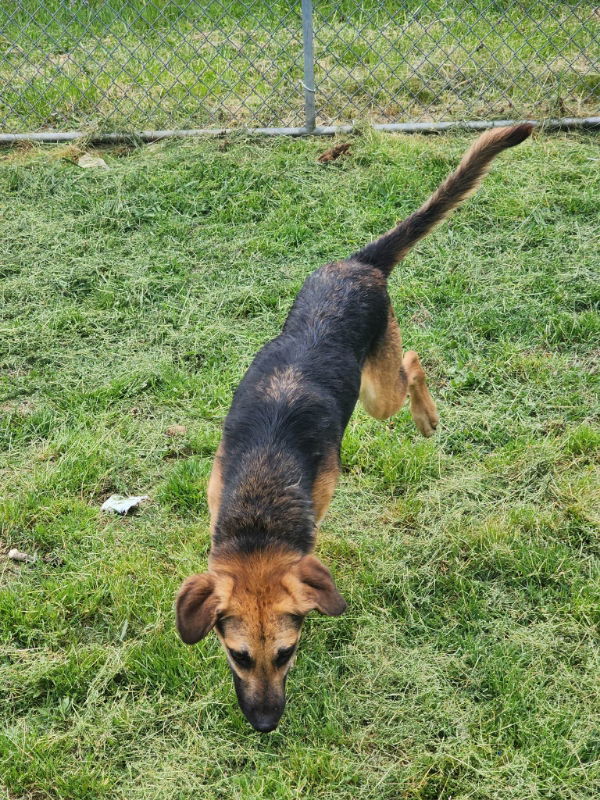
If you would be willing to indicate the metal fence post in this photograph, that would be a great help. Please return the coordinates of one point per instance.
(310, 114)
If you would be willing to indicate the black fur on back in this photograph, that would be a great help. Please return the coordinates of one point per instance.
(292, 406)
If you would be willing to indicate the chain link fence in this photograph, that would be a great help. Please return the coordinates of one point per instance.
(101, 66)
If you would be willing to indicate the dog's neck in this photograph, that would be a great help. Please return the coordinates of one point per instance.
(265, 505)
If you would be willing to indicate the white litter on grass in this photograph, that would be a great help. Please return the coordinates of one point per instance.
(17, 555)
(86, 161)
(121, 505)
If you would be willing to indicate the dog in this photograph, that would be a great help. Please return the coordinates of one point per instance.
(278, 462)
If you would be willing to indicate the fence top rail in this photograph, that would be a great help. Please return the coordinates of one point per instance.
(564, 123)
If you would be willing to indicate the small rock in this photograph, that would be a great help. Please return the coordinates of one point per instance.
(86, 161)
(176, 430)
(17, 555)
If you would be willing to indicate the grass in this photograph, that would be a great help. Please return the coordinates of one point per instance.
(132, 299)
(138, 65)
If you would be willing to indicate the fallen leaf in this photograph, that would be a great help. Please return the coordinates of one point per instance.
(334, 152)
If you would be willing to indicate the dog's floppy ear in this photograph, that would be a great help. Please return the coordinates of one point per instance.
(320, 590)
(196, 607)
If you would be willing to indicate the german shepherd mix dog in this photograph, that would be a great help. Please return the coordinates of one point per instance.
(279, 459)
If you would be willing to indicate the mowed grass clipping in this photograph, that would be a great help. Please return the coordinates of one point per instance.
(133, 299)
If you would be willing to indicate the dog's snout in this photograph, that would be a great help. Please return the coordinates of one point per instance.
(265, 723)
(263, 709)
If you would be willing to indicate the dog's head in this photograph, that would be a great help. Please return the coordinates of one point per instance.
(257, 604)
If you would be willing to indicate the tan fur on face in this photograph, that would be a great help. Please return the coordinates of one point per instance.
(258, 618)
(262, 583)
(263, 598)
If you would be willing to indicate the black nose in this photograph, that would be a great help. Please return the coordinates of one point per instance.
(264, 712)
(265, 723)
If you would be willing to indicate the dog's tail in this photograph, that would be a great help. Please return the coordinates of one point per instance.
(390, 248)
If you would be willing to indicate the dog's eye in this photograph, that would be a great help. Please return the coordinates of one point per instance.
(283, 656)
(241, 658)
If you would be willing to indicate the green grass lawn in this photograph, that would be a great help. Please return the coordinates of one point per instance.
(132, 299)
(140, 64)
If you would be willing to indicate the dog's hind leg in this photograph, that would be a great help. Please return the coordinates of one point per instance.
(384, 382)
(387, 378)
(422, 406)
